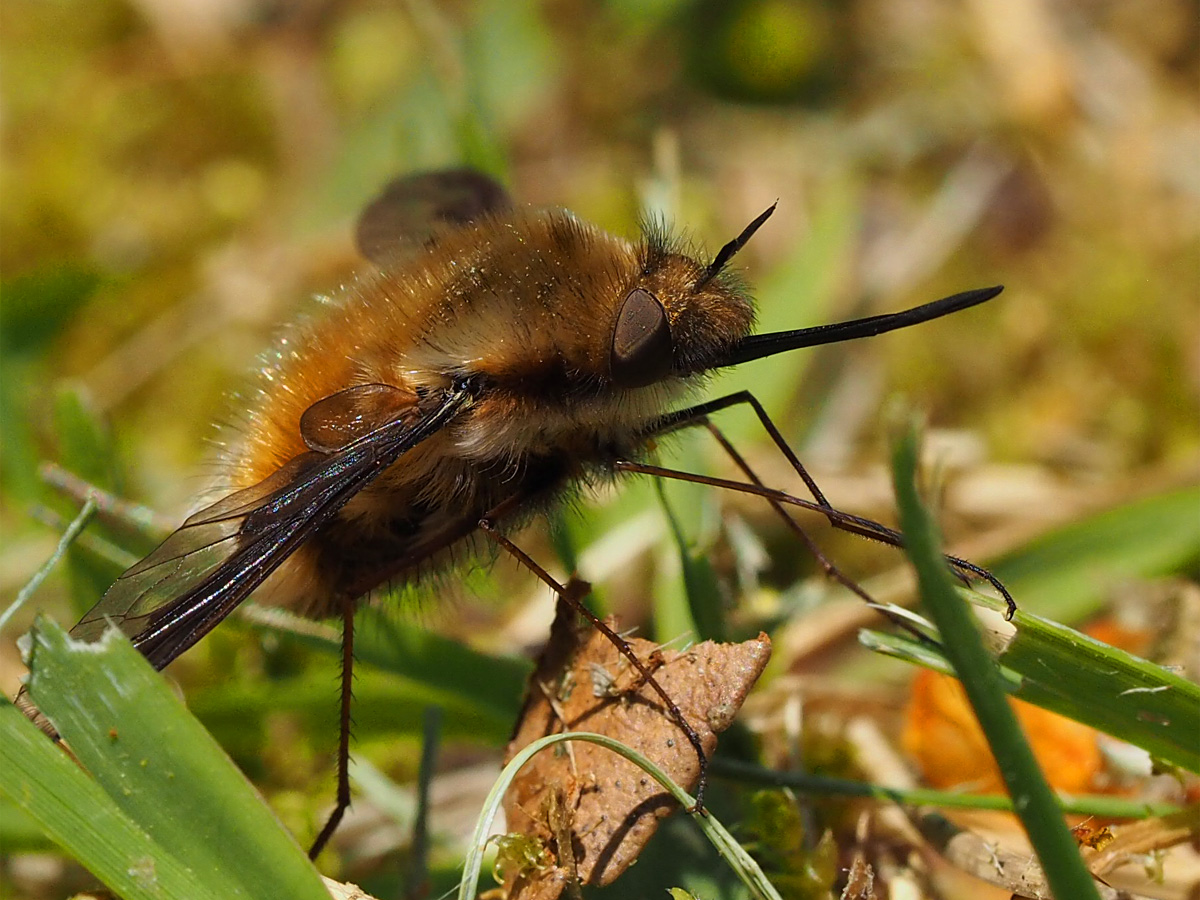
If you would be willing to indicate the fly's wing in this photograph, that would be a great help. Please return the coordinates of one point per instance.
(199, 574)
(197, 549)
(404, 216)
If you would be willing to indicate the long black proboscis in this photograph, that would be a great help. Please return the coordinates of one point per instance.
(759, 345)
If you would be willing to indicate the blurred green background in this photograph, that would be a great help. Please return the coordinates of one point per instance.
(177, 179)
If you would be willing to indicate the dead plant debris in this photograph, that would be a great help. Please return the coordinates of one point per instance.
(595, 810)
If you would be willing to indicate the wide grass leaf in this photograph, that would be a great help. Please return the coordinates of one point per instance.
(485, 688)
(76, 813)
(163, 771)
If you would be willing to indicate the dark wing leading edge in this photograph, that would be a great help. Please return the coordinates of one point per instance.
(199, 574)
(408, 210)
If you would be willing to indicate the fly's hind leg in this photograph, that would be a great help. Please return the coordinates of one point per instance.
(343, 759)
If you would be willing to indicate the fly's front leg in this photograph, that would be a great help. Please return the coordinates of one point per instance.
(699, 415)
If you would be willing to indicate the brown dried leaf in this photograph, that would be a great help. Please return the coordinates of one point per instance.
(605, 805)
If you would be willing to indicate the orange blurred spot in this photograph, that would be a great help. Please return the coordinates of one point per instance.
(1113, 632)
(941, 734)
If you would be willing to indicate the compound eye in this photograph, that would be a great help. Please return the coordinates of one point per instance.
(641, 351)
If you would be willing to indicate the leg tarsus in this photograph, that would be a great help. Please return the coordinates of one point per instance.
(343, 760)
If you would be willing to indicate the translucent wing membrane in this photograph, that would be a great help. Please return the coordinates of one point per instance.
(204, 545)
(199, 574)
(408, 210)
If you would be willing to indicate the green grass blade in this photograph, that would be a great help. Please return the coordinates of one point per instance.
(1033, 800)
(85, 445)
(1114, 691)
(496, 684)
(19, 831)
(385, 708)
(74, 811)
(453, 674)
(700, 588)
(159, 766)
(72, 532)
(86, 448)
(823, 785)
(39, 305)
(1066, 573)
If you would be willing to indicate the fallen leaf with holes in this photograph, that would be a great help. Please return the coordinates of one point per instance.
(595, 810)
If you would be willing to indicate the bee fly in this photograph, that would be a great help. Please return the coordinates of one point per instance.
(502, 357)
